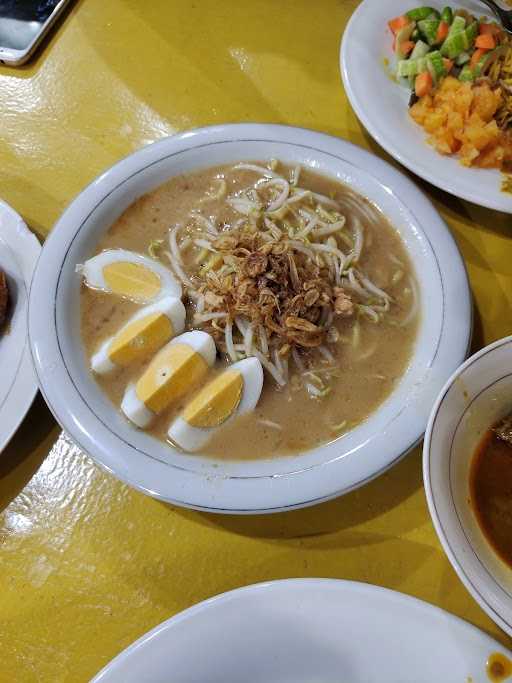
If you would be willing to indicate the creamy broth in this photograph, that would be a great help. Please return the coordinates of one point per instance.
(370, 360)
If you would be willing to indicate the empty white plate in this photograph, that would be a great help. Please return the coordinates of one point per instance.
(308, 631)
(19, 251)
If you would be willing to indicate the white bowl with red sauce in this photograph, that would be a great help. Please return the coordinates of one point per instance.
(475, 398)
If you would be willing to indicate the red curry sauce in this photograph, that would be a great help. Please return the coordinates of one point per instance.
(491, 492)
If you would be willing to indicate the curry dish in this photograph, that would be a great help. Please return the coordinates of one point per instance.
(278, 264)
(491, 487)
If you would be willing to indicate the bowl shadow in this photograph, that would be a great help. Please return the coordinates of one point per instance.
(362, 505)
(24, 454)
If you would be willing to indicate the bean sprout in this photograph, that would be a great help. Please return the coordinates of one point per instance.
(271, 424)
(279, 217)
(271, 368)
(228, 334)
(281, 197)
(258, 169)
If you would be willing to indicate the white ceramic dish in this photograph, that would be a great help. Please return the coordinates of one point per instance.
(382, 105)
(258, 486)
(308, 630)
(19, 251)
(476, 396)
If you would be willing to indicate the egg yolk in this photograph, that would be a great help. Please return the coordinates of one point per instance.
(173, 372)
(131, 280)
(140, 339)
(216, 402)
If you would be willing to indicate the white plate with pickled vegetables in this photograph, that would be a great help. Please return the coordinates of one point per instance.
(433, 85)
(232, 319)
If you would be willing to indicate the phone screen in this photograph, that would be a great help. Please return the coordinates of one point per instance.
(22, 20)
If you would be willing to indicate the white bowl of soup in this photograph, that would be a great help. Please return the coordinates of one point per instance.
(468, 476)
(333, 294)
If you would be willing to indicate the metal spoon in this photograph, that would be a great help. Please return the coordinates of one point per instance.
(503, 14)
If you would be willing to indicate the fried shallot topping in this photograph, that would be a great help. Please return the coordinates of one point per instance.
(277, 278)
(274, 285)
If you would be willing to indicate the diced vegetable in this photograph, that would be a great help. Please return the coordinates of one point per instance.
(485, 41)
(490, 28)
(408, 68)
(467, 16)
(462, 58)
(487, 59)
(398, 23)
(433, 47)
(476, 57)
(428, 29)
(442, 32)
(459, 42)
(423, 84)
(458, 24)
(466, 74)
(403, 36)
(420, 50)
(435, 65)
(407, 47)
(459, 118)
(472, 33)
(420, 13)
(447, 15)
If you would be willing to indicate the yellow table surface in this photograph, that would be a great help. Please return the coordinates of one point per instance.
(86, 564)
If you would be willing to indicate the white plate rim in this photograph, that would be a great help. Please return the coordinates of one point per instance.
(440, 525)
(409, 194)
(26, 249)
(338, 587)
(499, 202)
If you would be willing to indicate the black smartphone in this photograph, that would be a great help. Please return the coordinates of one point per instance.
(23, 24)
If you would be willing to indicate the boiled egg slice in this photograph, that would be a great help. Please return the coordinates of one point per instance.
(142, 336)
(130, 275)
(234, 392)
(177, 369)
